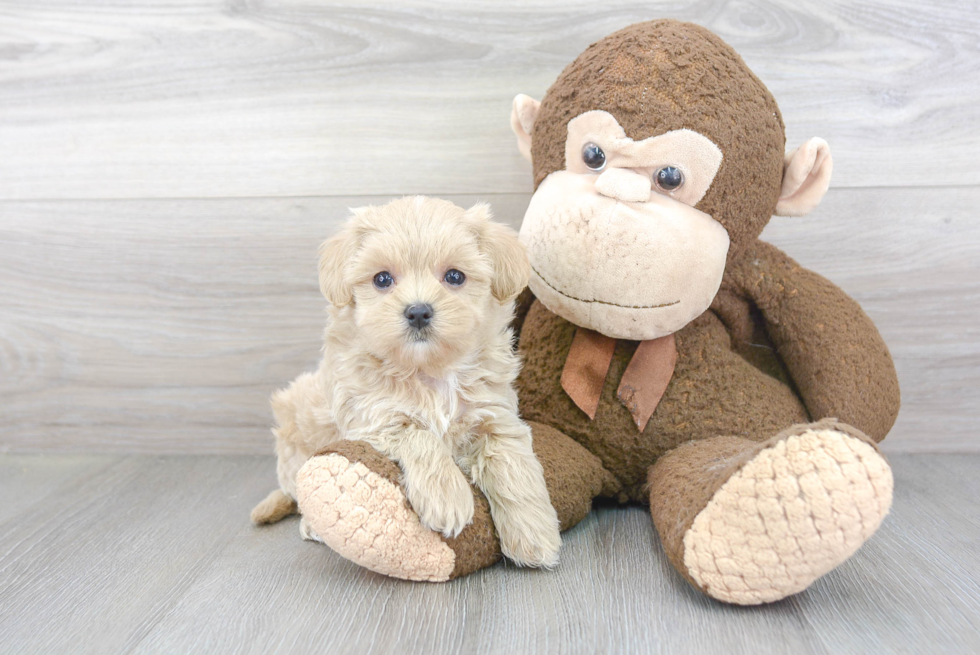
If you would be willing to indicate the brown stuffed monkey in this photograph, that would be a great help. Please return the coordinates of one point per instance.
(672, 358)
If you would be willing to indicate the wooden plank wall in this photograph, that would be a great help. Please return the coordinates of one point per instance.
(168, 169)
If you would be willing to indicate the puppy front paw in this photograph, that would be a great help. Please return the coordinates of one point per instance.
(443, 500)
(529, 536)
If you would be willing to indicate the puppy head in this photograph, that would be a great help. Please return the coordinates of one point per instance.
(424, 279)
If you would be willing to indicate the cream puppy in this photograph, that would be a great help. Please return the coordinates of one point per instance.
(418, 362)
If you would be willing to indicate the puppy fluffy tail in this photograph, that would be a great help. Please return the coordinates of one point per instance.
(276, 506)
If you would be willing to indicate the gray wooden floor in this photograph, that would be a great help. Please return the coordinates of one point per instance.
(113, 554)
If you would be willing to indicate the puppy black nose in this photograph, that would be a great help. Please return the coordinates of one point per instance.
(419, 315)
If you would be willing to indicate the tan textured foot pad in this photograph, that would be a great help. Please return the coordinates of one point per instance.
(789, 515)
(365, 518)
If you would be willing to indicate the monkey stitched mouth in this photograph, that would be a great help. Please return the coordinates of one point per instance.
(601, 302)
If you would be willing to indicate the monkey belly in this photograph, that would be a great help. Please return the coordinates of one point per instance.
(714, 392)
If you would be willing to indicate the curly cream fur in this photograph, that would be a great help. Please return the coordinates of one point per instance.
(440, 403)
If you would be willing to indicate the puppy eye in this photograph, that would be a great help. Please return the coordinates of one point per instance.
(383, 280)
(669, 178)
(594, 157)
(454, 277)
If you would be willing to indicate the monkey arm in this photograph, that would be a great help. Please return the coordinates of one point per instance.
(834, 353)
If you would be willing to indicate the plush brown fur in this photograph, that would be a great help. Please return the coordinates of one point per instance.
(780, 346)
(716, 390)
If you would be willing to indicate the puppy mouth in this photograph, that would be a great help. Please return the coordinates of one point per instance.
(419, 336)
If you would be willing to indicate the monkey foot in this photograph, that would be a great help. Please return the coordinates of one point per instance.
(351, 499)
(792, 513)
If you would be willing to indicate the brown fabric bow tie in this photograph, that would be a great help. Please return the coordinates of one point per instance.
(644, 381)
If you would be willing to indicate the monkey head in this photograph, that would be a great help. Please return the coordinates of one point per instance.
(658, 157)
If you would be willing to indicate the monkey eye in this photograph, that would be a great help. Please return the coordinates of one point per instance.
(669, 178)
(383, 280)
(594, 157)
(454, 277)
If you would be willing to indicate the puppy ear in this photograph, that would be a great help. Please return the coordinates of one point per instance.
(511, 269)
(335, 252)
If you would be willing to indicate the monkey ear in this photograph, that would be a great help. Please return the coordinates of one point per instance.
(522, 117)
(806, 177)
(511, 269)
(335, 252)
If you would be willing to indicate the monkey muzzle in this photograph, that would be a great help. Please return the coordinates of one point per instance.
(638, 269)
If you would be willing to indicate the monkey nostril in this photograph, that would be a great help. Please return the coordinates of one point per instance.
(419, 315)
